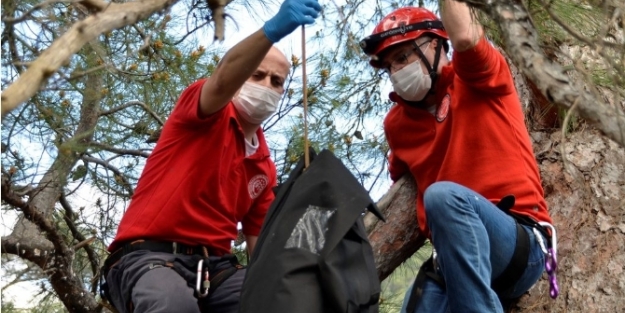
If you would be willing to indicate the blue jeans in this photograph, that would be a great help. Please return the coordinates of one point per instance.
(474, 241)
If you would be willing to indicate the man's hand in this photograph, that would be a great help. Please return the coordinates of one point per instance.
(291, 15)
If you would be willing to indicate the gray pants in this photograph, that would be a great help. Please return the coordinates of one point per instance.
(140, 283)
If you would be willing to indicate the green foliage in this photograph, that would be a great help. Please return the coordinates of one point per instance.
(394, 287)
(585, 19)
(132, 77)
(549, 17)
(573, 34)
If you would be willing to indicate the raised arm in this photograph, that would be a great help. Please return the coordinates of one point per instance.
(463, 28)
(244, 58)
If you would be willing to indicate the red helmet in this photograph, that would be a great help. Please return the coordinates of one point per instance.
(399, 26)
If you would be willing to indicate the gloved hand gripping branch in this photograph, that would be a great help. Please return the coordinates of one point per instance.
(291, 15)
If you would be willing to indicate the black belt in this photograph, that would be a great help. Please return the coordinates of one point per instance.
(155, 246)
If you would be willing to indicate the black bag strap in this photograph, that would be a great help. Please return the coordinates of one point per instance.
(426, 271)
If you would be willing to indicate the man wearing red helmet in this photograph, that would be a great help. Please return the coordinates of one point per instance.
(458, 128)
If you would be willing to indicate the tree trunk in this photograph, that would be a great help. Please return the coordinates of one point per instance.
(585, 195)
(587, 209)
(35, 236)
(398, 238)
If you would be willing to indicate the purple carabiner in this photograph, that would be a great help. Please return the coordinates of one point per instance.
(553, 287)
(551, 265)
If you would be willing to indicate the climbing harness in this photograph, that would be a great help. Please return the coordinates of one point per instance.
(517, 265)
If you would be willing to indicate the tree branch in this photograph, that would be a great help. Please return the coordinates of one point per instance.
(120, 151)
(34, 8)
(20, 276)
(523, 47)
(116, 15)
(131, 103)
(583, 39)
(94, 5)
(398, 238)
(34, 215)
(123, 181)
(94, 260)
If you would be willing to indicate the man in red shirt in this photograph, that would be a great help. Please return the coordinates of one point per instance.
(458, 128)
(210, 170)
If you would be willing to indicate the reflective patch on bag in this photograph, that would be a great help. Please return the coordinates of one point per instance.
(310, 231)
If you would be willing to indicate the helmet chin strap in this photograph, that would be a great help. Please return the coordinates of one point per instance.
(431, 69)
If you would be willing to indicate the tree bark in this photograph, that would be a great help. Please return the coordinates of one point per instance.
(588, 211)
(522, 45)
(585, 194)
(398, 238)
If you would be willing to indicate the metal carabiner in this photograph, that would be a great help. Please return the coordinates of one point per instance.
(198, 280)
(541, 242)
(554, 238)
(551, 262)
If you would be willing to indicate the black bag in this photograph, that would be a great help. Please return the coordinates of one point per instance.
(313, 254)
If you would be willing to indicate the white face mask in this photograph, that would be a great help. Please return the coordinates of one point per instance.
(410, 83)
(255, 103)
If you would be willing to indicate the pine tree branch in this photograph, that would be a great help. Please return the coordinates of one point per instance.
(94, 260)
(117, 173)
(120, 151)
(116, 15)
(34, 215)
(398, 238)
(522, 45)
(131, 103)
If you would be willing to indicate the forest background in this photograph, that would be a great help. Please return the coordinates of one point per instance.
(87, 85)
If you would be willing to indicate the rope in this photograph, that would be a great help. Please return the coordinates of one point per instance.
(305, 99)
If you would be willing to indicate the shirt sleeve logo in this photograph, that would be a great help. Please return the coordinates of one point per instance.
(257, 184)
(443, 108)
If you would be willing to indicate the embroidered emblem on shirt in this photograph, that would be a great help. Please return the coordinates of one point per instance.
(443, 109)
(257, 185)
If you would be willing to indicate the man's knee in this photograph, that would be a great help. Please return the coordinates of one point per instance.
(439, 200)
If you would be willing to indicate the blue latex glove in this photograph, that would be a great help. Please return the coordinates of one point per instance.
(291, 15)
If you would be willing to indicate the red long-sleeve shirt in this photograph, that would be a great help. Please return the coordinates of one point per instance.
(198, 183)
(477, 138)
